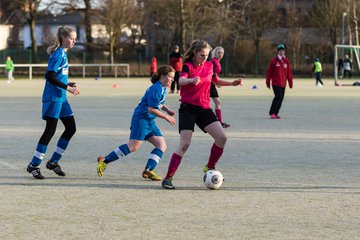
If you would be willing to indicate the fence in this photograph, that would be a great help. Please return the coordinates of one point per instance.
(83, 66)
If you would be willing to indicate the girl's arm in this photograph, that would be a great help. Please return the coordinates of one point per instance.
(185, 81)
(162, 115)
(230, 83)
(168, 110)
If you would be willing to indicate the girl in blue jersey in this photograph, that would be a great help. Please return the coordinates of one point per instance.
(55, 105)
(143, 125)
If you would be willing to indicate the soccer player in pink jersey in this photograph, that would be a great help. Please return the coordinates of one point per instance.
(216, 55)
(195, 80)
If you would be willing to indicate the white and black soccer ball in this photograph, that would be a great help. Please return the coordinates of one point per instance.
(213, 179)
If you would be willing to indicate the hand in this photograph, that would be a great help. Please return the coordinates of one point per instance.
(74, 90)
(268, 85)
(171, 120)
(72, 84)
(237, 82)
(196, 80)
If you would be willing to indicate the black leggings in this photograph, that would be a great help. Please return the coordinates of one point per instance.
(279, 97)
(176, 81)
(51, 123)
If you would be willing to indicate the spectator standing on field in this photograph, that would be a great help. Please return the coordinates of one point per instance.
(9, 69)
(153, 67)
(347, 66)
(176, 61)
(318, 69)
(278, 72)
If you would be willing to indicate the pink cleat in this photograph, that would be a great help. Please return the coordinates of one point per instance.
(277, 116)
(273, 116)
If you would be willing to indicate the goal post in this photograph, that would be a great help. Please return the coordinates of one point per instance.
(339, 54)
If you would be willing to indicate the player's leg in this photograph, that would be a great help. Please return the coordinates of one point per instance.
(68, 120)
(281, 95)
(217, 132)
(154, 158)
(176, 80)
(41, 147)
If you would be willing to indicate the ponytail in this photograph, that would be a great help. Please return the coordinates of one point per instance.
(196, 46)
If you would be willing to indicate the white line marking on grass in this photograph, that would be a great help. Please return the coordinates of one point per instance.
(9, 165)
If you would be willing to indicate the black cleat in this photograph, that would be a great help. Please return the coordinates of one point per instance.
(55, 167)
(35, 171)
(167, 184)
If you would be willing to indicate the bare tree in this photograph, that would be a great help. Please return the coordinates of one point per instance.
(30, 11)
(118, 16)
(326, 15)
(259, 15)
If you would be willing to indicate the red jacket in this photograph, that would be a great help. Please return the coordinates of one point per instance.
(278, 71)
(153, 67)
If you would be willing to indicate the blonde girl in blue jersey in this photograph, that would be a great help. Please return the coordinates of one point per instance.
(55, 105)
(143, 127)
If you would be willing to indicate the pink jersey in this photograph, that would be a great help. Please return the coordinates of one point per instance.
(198, 95)
(217, 66)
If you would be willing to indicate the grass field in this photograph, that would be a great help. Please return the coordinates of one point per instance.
(294, 178)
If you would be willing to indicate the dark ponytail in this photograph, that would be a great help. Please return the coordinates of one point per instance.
(162, 71)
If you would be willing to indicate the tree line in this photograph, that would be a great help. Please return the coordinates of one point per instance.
(247, 29)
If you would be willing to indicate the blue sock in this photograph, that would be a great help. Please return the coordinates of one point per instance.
(154, 159)
(59, 150)
(38, 155)
(119, 152)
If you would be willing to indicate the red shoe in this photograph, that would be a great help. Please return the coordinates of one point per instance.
(273, 116)
(277, 116)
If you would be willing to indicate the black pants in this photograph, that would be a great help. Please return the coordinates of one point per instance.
(277, 101)
(347, 72)
(176, 80)
(318, 78)
(51, 123)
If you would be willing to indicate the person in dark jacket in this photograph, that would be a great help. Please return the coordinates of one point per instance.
(176, 61)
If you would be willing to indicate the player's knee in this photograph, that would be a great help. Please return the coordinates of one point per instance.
(133, 148)
(221, 140)
(184, 147)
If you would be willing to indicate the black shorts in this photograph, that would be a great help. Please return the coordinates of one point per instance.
(213, 91)
(189, 115)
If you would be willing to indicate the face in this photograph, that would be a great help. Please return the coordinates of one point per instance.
(219, 54)
(167, 79)
(176, 50)
(201, 56)
(69, 42)
(282, 52)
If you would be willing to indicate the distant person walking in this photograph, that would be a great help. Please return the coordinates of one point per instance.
(318, 69)
(347, 66)
(278, 72)
(9, 69)
(55, 104)
(176, 61)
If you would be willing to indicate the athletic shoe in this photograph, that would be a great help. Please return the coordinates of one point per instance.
(55, 167)
(152, 175)
(101, 166)
(225, 125)
(35, 171)
(278, 117)
(273, 116)
(167, 184)
(206, 169)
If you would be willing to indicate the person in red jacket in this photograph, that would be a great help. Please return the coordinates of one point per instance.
(176, 61)
(153, 67)
(278, 72)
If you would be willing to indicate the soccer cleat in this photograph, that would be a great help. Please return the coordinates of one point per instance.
(35, 171)
(225, 125)
(167, 184)
(206, 169)
(152, 175)
(273, 116)
(55, 167)
(101, 166)
(278, 117)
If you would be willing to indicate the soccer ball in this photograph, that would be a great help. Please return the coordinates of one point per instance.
(213, 179)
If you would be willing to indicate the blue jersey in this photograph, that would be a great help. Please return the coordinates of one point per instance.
(154, 97)
(58, 63)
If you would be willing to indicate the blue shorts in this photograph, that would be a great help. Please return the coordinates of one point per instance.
(141, 129)
(56, 110)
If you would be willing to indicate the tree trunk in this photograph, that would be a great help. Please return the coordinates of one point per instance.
(182, 27)
(33, 41)
(87, 22)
